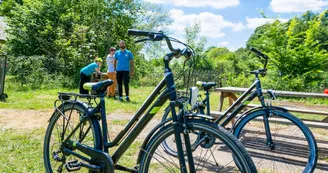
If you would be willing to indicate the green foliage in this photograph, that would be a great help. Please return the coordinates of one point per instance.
(22, 145)
(29, 70)
(52, 39)
(233, 66)
(298, 48)
(70, 34)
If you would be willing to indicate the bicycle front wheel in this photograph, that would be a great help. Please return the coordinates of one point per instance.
(292, 149)
(216, 151)
(55, 159)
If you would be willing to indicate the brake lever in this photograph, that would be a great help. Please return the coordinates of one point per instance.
(142, 40)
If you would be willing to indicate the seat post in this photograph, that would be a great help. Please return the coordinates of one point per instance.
(103, 120)
(208, 101)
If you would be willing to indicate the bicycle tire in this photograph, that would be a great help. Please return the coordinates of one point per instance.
(224, 146)
(51, 147)
(294, 149)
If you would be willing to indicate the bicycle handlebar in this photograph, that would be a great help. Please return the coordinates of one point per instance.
(158, 36)
(138, 32)
(258, 53)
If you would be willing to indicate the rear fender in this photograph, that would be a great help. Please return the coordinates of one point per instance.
(66, 103)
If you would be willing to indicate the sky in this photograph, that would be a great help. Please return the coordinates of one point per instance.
(229, 23)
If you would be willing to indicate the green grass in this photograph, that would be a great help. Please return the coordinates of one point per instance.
(309, 116)
(44, 99)
(39, 99)
(120, 122)
(130, 156)
(21, 151)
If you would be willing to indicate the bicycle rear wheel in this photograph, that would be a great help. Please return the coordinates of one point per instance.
(294, 148)
(55, 160)
(216, 151)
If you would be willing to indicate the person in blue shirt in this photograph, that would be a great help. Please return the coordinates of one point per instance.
(124, 69)
(86, 72)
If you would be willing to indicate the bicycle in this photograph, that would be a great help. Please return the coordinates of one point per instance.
(77, 137)
(267, 132)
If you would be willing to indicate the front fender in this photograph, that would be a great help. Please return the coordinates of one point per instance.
(166, 123)
(257, 109)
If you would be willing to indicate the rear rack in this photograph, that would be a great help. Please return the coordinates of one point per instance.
(64, 97)
(68, 95)
(73, 97)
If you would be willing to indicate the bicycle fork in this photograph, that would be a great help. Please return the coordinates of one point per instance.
(269, 141)
(178, 129)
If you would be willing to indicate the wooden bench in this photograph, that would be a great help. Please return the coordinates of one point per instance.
(230, 93)
(323, 125)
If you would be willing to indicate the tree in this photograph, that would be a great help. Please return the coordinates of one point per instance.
(70, 34)
(298, 48)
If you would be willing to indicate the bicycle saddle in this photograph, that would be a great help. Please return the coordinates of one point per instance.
(206, 85)
(98, 87)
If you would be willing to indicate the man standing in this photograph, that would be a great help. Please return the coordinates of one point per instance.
(124, 69)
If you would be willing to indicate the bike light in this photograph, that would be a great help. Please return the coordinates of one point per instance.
(193, 95)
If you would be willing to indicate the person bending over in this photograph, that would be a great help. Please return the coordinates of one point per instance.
(86, 72)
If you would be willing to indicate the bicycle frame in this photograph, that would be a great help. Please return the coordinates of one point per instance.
(238, 105)
(241, 103)
(137, 123)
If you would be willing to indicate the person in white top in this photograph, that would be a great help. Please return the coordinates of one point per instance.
(111, 72)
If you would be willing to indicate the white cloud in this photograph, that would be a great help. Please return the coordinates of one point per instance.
(211, 24)
(288, 6)
(255, 22)
(218, 4)
(223, 44)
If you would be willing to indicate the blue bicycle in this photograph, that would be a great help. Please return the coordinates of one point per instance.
(275, 139)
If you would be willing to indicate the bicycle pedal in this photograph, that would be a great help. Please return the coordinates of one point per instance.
(73, 166)
(56, 156)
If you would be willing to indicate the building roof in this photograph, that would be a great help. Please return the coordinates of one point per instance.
(2, 28)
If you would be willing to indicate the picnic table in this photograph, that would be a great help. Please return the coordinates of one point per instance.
(231, 91)
(96, 77)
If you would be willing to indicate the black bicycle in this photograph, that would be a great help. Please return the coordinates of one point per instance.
(275, 139)
(77, 140)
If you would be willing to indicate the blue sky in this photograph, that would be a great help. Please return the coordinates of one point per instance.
(229, 23)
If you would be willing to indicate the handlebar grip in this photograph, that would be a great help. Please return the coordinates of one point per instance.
(138, 32)
(258, 53)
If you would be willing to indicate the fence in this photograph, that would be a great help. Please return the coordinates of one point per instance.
(191, 77)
